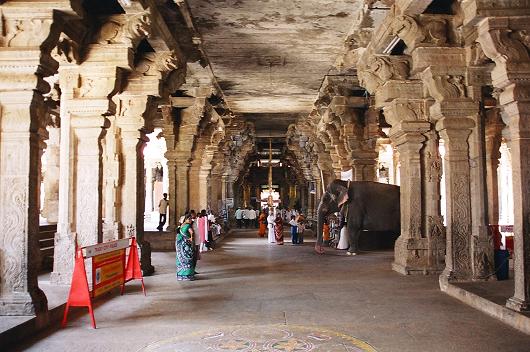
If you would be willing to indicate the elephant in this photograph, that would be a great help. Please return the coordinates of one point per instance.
(371, 206)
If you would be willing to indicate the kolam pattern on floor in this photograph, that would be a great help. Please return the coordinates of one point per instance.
(252, 338)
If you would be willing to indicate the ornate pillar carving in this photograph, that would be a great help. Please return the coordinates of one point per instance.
(407, 135)
(505, 41)
(24, 62)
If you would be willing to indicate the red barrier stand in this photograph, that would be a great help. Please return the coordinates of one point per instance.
(133, 270)
(79, 295)
(108, 272)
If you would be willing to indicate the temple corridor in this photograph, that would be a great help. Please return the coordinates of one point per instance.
(247, 282)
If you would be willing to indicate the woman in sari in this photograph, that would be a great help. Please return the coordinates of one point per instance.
(185, 252)
(262, 224)
(278, 229)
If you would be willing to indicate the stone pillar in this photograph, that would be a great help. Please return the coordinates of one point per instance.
(133, 141)
(215, 186)
(111, 173)
(455, 132)
(21, 145)
(149, 188)
(433, 222)
(173, 210)
(203, 188)
(407, 135)
(503, 40)
(87, 133)
(51, 177)
(494, 127)
(481, 246)
(81, 175)
(182, 186)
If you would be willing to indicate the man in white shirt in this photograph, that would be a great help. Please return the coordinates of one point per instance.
(162, 209)
(239, 217)
(251, 214)
(244, 215)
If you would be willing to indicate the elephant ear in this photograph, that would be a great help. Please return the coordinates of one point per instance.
(343, 198)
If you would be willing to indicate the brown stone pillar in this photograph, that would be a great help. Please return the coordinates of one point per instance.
(494, 127)
(410, 256)
(182, 186)
(433, 223)
(173, 210)
(455, 133)
(502, 41)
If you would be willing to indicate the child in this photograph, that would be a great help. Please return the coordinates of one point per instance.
(294, 230)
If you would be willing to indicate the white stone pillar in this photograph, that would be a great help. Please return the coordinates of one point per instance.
(51, 177)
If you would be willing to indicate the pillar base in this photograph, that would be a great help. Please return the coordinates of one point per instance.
(61, 278)
(145, 259)
(416, 257)
(518, 304)
(23, 304)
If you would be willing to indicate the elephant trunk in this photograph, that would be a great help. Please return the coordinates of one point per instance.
(320, 225)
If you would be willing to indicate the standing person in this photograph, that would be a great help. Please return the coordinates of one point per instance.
(343, 241)
(325, 231)
(244, 215)
(300, 220)
(252, 218)
(196, 238)
(278, 229)
(202, 224)
(294, 230)
(262, 220)
(185, 251)
(270, 224)
(162, 209)
(239, 217)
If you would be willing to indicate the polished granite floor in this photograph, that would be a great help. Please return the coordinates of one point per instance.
(254, 296)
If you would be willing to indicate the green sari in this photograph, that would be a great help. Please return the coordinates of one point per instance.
(184, 249)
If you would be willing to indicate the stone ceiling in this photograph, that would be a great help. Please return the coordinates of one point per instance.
(270, 56)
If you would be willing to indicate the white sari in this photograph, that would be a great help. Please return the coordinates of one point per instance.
(270, 225)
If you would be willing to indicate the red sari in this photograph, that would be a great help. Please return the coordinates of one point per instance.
(262, 225)
(278, 230)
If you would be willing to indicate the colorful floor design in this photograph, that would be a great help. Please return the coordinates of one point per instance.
(270, 338)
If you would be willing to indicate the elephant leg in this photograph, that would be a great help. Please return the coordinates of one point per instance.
(353, 239)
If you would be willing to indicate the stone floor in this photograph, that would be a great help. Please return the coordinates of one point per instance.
(252, 296)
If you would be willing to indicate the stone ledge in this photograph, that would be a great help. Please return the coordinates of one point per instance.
(514, 319)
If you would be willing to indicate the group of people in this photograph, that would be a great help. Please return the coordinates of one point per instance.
(334, 231)
(273, 221)
(246, 217)
(195, 235)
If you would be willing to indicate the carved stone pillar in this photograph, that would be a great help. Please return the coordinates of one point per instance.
(173, 211)
(182, 168)
(455, 132)
(494, 127)
(505, 41)
(481, 243)
(133, 141)
(84, 101)
(407, 135)
(111, 173)
(51, 177)
(215, 187)
(433, 223)
(21, 144)
(203, 188)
